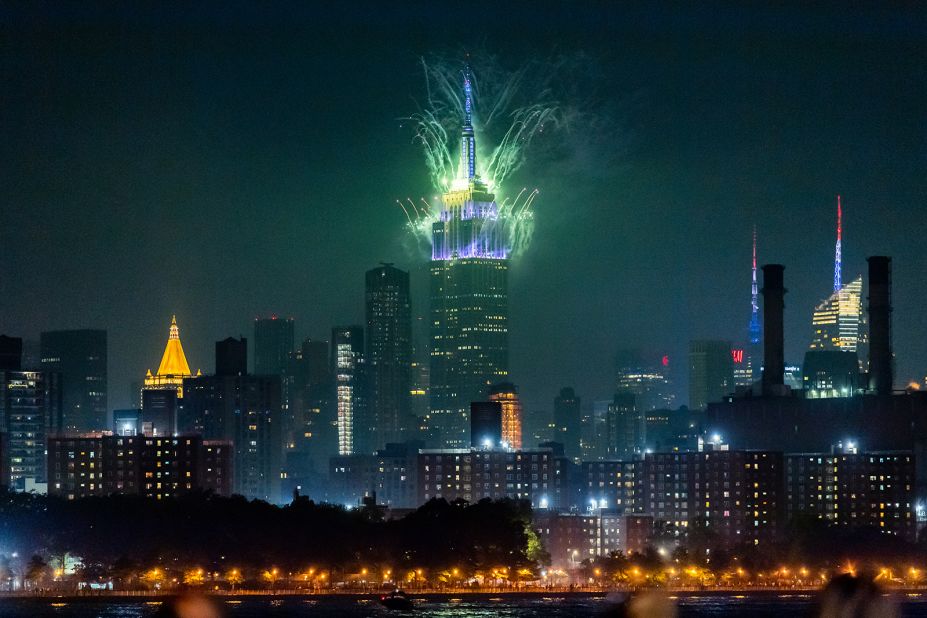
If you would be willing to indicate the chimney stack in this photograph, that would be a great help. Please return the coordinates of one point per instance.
(773, 329)
(880, 324)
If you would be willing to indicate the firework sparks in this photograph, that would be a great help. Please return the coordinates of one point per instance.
(506, 117)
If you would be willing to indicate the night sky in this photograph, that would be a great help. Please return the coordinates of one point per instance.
(221, 161)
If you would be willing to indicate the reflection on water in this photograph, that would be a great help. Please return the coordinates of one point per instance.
(764, 605)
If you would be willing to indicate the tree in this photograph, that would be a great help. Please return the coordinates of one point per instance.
(36, 571)
(6, 571)
(194, 577)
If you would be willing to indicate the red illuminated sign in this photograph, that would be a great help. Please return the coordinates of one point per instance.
(738, 356)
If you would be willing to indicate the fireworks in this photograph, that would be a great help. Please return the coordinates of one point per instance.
(507, 117)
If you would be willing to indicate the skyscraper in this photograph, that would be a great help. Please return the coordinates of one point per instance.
(711, 372)
(506, 394)
(389, 351)
(647, 380)
(162, 390)
(312, 438)
(80, 357)
(274, 339)
(30, 404)
(348, 370)
(469, 294)
(246, 411)
(485, 424)
(11, 353)
(232, 357)
(831, 366)
(567, 422)
(625, 428)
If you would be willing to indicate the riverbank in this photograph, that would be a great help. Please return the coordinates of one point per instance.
(433, 595)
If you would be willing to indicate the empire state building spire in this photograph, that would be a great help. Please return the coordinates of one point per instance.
(467, 169)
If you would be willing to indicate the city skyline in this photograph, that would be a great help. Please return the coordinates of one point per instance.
(478, 307)
(655, 233)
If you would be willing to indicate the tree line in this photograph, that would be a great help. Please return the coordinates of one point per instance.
(122, 537)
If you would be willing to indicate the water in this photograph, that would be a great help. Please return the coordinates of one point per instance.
(479, 606)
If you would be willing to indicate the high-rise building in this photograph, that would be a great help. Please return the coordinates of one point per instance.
(485, 424)
(244, 410)
(312, 437)
(625, 428)
(348, 371)
(30, 404)
(711, 372)
(647, 380)
(831, 367)
(568, 422)
(506, 394)
(79, 356)
(11, 353)
(163, 390)
(232, 357)
(836, 320)
(389, 351)
(469, 294)
(4, 461)
(418, 391)
(274, 339)
(594, 430)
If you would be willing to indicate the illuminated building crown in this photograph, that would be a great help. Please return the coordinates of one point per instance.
(174, 361)
(173, 368)
(469, 224)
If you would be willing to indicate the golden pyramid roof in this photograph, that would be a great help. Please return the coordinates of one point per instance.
(174, 361)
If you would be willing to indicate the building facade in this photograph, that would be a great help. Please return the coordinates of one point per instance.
(612, 484)
(30, 405)
(506, 394)
(469, 296)
(355, 431)
(736, 498)
(711, 372)
(163, 390)
(83, 465)
(474, 474)
(80, 358)
(850, 489)
(274, 340)
(390, 475)
(568, 422)
(389, 352)
(246, 412)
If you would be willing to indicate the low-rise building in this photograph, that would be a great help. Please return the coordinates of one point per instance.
(82, 465)
(736, 496)
(853, 489)
(474, 474)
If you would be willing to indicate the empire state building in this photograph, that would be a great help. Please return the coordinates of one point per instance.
(469, 295)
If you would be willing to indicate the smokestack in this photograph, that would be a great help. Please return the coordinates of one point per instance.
(880, 324)
(774, 334)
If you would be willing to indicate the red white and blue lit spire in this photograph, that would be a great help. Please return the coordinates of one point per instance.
(754, 328)
(838, 260)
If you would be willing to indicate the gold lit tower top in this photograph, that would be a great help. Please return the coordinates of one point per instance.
(173, 368)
